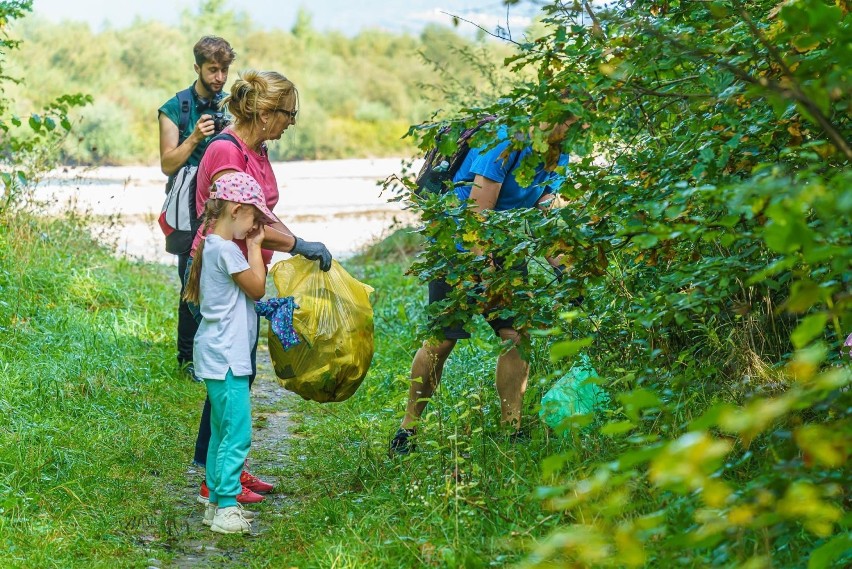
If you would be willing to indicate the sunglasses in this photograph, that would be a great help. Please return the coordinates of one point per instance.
(291, 114)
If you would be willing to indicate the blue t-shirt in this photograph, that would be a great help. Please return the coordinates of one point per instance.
(490, 164)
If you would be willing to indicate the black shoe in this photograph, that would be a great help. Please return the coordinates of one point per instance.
(189, 370)
(521, 436)
(400, 444)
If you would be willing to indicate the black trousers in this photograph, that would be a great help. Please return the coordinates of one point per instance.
(187, 325)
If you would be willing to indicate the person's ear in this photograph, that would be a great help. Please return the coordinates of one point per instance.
(197, 68)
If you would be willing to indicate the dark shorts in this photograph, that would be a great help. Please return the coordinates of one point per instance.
(439, 290)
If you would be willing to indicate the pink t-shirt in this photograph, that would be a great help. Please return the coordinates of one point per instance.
(224, 155)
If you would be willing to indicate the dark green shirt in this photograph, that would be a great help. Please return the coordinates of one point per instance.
(199, 106)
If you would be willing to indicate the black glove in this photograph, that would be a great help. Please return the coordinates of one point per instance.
(577, 300)
(558, 271)
(314, 251)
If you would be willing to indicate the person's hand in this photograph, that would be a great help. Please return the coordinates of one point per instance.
(256, 236)
(559, 271)
(314, 251)
(204, 127)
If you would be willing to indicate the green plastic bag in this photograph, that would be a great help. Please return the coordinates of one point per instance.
(575, 393)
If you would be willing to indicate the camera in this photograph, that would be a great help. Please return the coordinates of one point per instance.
(220, 121)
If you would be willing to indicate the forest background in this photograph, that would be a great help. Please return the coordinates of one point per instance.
(358, 93)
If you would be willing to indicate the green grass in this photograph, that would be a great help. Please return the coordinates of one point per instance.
(96, 417)
(100, 424)
(98, 427)
(466, 498)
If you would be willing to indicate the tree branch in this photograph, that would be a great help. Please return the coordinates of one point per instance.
(597, 30)
(492, 34)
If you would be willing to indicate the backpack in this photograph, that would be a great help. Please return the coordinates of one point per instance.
(436, 174)
(438, 170)
(178, 218)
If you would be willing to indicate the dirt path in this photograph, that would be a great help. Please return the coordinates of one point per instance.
(195, 545)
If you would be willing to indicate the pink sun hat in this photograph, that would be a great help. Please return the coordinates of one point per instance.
(239, 187)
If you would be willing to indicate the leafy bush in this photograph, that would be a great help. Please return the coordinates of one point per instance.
(707, 225)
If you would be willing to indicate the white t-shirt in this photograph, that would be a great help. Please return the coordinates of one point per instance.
(228, 320)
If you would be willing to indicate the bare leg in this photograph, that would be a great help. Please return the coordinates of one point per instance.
(511, 380)
(426, 371)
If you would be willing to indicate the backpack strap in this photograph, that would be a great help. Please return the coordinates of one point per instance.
(185, 101)
(195, 220)
(229, 137)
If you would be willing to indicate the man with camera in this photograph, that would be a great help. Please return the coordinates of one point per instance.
(187, 123)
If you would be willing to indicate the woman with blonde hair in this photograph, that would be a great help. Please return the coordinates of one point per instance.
(263, 104)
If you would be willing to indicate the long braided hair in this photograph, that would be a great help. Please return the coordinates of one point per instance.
(213, 208)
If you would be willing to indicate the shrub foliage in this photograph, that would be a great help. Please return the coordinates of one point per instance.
(705, 219)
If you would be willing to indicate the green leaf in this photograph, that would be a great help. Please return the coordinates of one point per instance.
(617, 428)
(710, 418)
(553, 464)
(637, 400)
(809, 328)
(803, 296)
(568, 348)
(633, 458)
(646, 240)
(806, 42)
(834, 549)
(781, 237)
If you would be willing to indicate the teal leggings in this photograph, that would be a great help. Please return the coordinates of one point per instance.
(230, 437)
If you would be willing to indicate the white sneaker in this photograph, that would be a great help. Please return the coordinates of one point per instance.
(230, 520)
(209, 514)
(247, 514)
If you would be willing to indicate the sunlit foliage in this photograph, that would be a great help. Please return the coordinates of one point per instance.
(705, 218)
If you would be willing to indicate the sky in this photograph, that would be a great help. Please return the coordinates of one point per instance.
(347, 16)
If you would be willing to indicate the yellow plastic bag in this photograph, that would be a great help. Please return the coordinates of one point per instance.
(334, 322)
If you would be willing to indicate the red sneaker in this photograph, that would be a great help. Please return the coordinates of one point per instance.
(254, 483)
(245, 497)
(249, 497)
(203, 494)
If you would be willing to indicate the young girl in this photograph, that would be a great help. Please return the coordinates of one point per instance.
(225, 284)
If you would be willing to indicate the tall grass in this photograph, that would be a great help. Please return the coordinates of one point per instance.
(97, 423)
(465, 499)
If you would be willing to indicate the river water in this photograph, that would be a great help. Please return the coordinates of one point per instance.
(337, 202)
